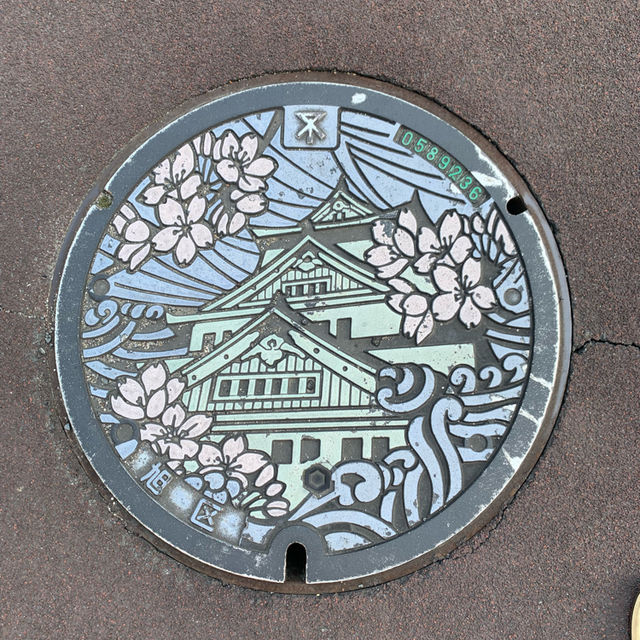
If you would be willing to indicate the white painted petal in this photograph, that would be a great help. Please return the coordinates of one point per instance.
(210, 455)
(261, 167)
(137, 231)
(132, 391)
(162, 172)
(230, 145)
(195, 426)
(470, 273)
(196, 209)
(445, 306)
(185, 251)
(126, 251)
(228, 171)
(425, 328)
(153, 195)
(190, 186)
(383, 232)
(483, 297)
(250, 184)
(152, 432)
(237, 222)
(173, 416)
(201, 235)
(157, 403)
(166, 239)
(424, 264)
(415, 304)
(125, 409)
(410, 325)
(171, 212)
(174, 389)
(153, 377)
(233, 447)
(427, 241)
(252, 203)
(461, 249)
(248, 148)
(395, 302)
(139, 256)
(405, 242)
(183, 163)
(401, 285)
(379, 256)
(446, 279)
(470, 315)
(407, 220)
(393, 269)
(450, 228)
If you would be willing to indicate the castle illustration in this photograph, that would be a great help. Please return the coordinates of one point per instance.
(291, 358)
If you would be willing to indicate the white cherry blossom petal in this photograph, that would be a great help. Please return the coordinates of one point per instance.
(410, 325)
(139, 256)
(137, 231)
(461, 249)
(405, 242)
(407, 220)
(237, 222)
(174, 389)
(252, 203)
(153, 195)
(415, 304)
(228, 171)
(183, 163)
(153, 377)
(162, 172)
(185, 250)
(260, 167)
(196, 209)
(233, 447)
(401, 285)
(171, 212)
(383, 231)
(249, 462)
(173, 416)
(152, 432)
(445, 306)
(425, 263)
(427, 241)
(274, 489)
(483, 297)
(195, 426)
(450, 228)
(230, 145)
(381, 255)
(132, 391)
(395, 302)
(157, 403)
(250, 184)
(425, 328)
(166, 239)
(210, 455)
(126, 251)
(446, 279)
(190, 186)
(201, 235)
(125, 409)
(393, 269)
(470, 315)
(470, 273)
(248, 148)
(265, 476)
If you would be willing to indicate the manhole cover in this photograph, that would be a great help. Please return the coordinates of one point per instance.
(312, 332)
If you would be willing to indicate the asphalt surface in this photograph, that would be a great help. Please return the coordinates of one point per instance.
(553, 84)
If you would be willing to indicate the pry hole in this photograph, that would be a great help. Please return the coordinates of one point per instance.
(516, 206)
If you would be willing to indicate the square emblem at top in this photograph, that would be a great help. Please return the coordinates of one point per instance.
(310, 127)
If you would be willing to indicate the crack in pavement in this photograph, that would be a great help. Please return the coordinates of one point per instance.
(587, 343)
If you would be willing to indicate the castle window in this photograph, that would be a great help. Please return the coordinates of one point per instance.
(282, 451)
(308, 288)
(286, 386)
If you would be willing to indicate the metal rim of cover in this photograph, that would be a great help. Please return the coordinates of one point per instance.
(460, 433)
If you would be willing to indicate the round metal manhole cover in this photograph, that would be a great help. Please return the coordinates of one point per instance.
(311, 323)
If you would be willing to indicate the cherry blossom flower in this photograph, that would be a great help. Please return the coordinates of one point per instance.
(229, 460)
(396, 244)
(174, 177)
(182, 233)
(136, 246)
(236, 162)
(450, 246)
(137, 401)
(461, 293)
(176, 434)
(231, 220)
(414, 305)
